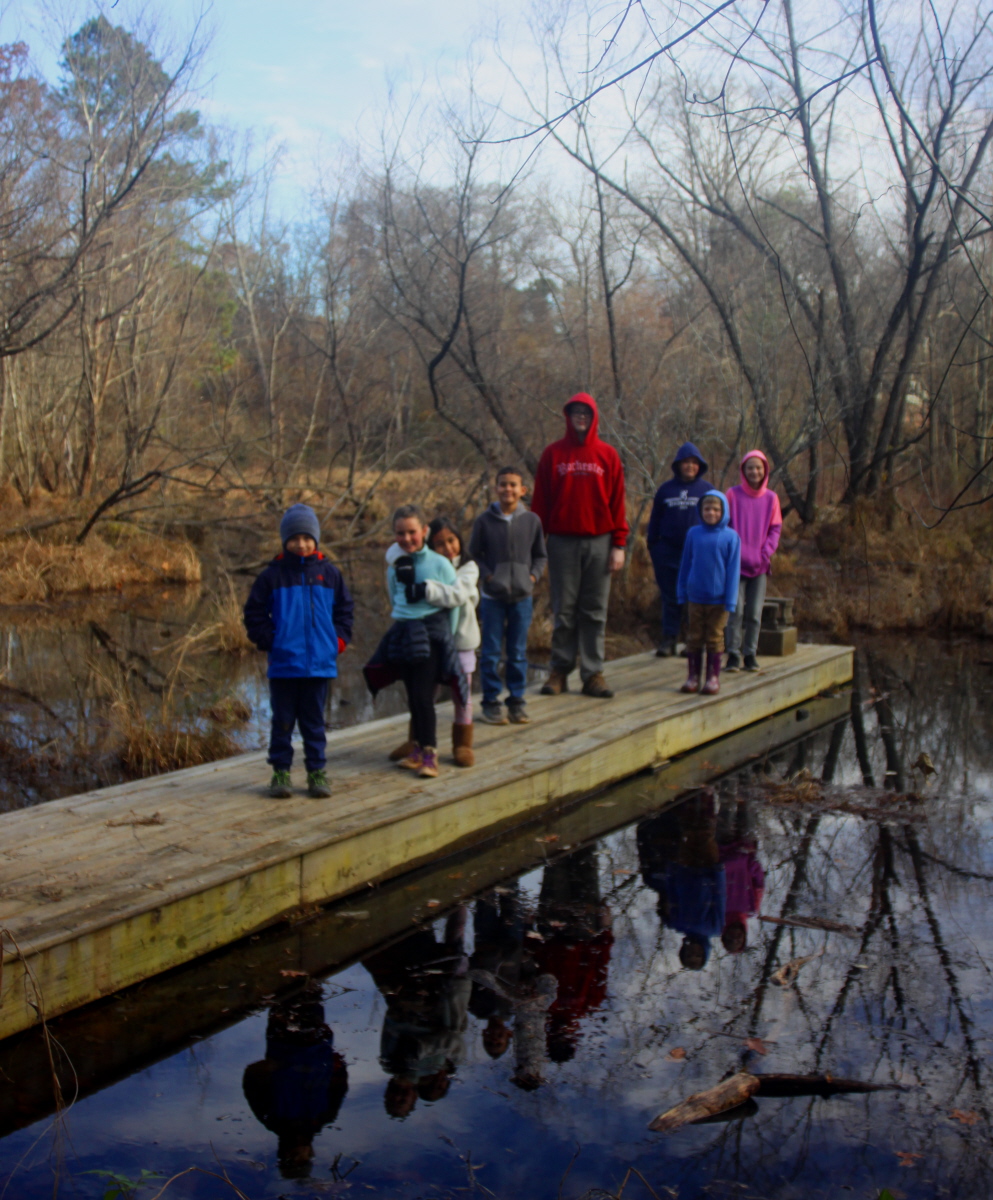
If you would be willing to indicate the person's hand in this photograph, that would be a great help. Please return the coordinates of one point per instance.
(616, 562)
(533, 580)
(415, 592)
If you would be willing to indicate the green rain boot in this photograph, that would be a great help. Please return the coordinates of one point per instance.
(318, 787)
(280, 787)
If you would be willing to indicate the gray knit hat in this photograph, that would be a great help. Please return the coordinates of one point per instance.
(299, 518)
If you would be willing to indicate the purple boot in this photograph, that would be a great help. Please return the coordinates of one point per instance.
(694, 664)
(713, 684)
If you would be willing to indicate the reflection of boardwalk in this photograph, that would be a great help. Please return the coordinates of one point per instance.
(106, 889)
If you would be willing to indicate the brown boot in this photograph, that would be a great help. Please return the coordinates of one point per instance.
(596, 686)
(407, 748)
(462, 746)
(555, 684)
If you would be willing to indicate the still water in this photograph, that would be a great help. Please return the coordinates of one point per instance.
(529, 1008)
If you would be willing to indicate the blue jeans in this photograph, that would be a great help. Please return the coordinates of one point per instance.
(496, 622)
(667, 576)
(297, 702)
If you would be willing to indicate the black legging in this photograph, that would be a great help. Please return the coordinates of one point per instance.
(420, 680)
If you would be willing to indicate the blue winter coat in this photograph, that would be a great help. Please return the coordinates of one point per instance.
(708, 572)
(674, 511)
(297, 610)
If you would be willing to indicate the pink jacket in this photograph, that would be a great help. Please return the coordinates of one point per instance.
(757, 519)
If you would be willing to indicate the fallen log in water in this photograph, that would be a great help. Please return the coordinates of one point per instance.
(740, 1088)
(729, 1094)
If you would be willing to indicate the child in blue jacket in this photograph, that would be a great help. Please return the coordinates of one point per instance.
(674, 513)
(300, 612)
(708, 581)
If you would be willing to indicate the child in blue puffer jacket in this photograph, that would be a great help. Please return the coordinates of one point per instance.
(708, 581)
(300, 612)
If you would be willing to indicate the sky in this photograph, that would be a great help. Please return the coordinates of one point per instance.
(307, 74)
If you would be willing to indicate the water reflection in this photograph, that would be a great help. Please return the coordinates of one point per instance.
(298, 1087)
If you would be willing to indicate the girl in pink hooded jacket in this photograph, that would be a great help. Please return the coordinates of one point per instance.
(757, 519)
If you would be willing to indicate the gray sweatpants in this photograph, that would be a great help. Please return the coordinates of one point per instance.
(579, 578)
(743, 626)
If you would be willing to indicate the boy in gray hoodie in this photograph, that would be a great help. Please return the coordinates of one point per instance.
(508, 544)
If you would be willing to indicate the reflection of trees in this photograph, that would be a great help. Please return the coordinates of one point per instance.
(897, 1003)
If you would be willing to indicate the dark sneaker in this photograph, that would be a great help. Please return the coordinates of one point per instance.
(318, 787)
(751, 663)
(666, 650)
(555, 684)
(280, 787)
(596, 686)
(493, 713)
(518, 713)
(733, 663)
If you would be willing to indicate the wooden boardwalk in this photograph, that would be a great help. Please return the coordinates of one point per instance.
(105, 889)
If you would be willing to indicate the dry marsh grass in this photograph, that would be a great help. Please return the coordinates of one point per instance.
(33, 572)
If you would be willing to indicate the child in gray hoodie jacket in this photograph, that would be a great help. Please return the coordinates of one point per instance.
(508, 544)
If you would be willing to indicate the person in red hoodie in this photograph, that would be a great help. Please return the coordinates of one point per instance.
(579, 497)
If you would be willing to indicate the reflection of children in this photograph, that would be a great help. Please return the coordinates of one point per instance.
(299, 610)
(298, 1087)
(426, 986)
(742, 870)
(708, 580)
(419, 647)
(674, 513)
(758, 521)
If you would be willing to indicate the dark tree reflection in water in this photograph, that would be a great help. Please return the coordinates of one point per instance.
(522, 1041)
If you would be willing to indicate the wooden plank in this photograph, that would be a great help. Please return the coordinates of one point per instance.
(95, 907)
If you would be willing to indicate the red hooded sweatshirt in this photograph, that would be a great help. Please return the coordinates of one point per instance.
(579, 486)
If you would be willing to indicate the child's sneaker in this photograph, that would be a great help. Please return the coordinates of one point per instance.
(429, 763)
(518, 713)
(493, 713)
(280, 787)
(751, 662)
(733, 663)
(414, 760)
(318, 787)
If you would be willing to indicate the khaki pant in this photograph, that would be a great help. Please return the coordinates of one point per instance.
(706, 627)
(579, 579)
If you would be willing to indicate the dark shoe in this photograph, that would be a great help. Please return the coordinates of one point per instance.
(318, 787)
(407, 748)
(666, 650)
(751, 663)
(733, 663)
(713, 684)
(493, 713)
(280, 787)
(462, 746)
(694, 661)
(555, 684)
(596, 686)
(518, 713)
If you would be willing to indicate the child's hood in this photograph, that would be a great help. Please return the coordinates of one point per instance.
(725, 511)
(570, 433)
(685, 451)
(752, 491)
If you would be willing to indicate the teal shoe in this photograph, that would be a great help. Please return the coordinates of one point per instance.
(280, 787)
(318, 787)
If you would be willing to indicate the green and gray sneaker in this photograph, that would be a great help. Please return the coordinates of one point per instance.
(280, 787)
(318, 787)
